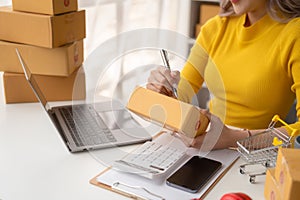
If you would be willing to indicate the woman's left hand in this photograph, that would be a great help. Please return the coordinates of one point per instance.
(219, 136)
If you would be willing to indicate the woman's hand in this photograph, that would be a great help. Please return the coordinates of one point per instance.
(162, 80)
(219, 136)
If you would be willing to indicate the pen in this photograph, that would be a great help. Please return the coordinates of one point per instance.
(165, 58)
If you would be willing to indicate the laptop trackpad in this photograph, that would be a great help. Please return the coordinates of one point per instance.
(121, 121)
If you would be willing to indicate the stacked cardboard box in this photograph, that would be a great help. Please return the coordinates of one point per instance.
(49, 35)
(207, 11)
(283, 182)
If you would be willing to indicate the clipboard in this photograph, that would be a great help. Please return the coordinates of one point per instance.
(124, 192)
(137, 187)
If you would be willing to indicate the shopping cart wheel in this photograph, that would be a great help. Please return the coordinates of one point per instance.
(242, 169)
(267, 164)
(252, 179)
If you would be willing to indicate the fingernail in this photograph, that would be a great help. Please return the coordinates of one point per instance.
(173, 73)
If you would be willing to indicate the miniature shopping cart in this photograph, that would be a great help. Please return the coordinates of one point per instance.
(262, 148)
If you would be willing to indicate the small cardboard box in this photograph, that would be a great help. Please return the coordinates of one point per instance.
(287, 173)
(54, 88)
(271, 190)
(49, 7)
(61, 61)
(41, 30)
(197, 29)
(171, 113)
(208, 11)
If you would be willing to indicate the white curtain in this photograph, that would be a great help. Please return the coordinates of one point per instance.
(107, 18)
(5, 2)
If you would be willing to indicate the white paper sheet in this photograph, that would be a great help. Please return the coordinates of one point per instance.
(128, 182)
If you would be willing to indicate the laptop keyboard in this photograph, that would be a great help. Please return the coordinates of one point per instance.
(86, 125)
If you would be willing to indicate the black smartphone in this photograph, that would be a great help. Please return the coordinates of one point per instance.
(194, 174)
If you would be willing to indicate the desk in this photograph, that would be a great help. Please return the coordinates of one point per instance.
(35, 164)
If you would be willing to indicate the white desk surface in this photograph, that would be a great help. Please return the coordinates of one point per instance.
(35, 164)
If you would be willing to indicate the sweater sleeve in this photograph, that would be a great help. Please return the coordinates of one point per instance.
(191, 78)
(192, 74)
(291, 60)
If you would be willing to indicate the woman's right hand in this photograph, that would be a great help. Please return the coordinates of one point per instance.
(162, 80)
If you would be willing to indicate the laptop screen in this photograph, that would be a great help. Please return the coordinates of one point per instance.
(32, 82)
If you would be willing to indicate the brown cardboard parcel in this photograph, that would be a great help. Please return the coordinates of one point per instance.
(61, 61)
(50, 7)
(207, 12)
(173, 114)
(41, 30)
(197, 29)
(271, 190)
(54, 88)
(287, 173)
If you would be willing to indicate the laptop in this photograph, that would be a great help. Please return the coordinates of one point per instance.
(90, 126)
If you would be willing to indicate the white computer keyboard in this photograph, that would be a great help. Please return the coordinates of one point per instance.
(151, 159)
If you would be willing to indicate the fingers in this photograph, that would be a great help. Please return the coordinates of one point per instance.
(213, 138)
(198, 141)
(205, 112)
(159, 88)
(162, 80)
(205, 142)
(175, 77)
(164, 76)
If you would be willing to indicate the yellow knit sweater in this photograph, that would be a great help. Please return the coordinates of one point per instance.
(252, 72)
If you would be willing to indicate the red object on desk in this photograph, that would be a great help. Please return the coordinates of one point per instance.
(235, 196)
(232, 196)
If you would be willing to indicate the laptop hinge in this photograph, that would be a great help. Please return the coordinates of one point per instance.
(47, 107)
(58, 127)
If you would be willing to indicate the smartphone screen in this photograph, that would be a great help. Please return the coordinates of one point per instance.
(194, 174)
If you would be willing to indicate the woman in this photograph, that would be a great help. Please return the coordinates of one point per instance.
(249, 58)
